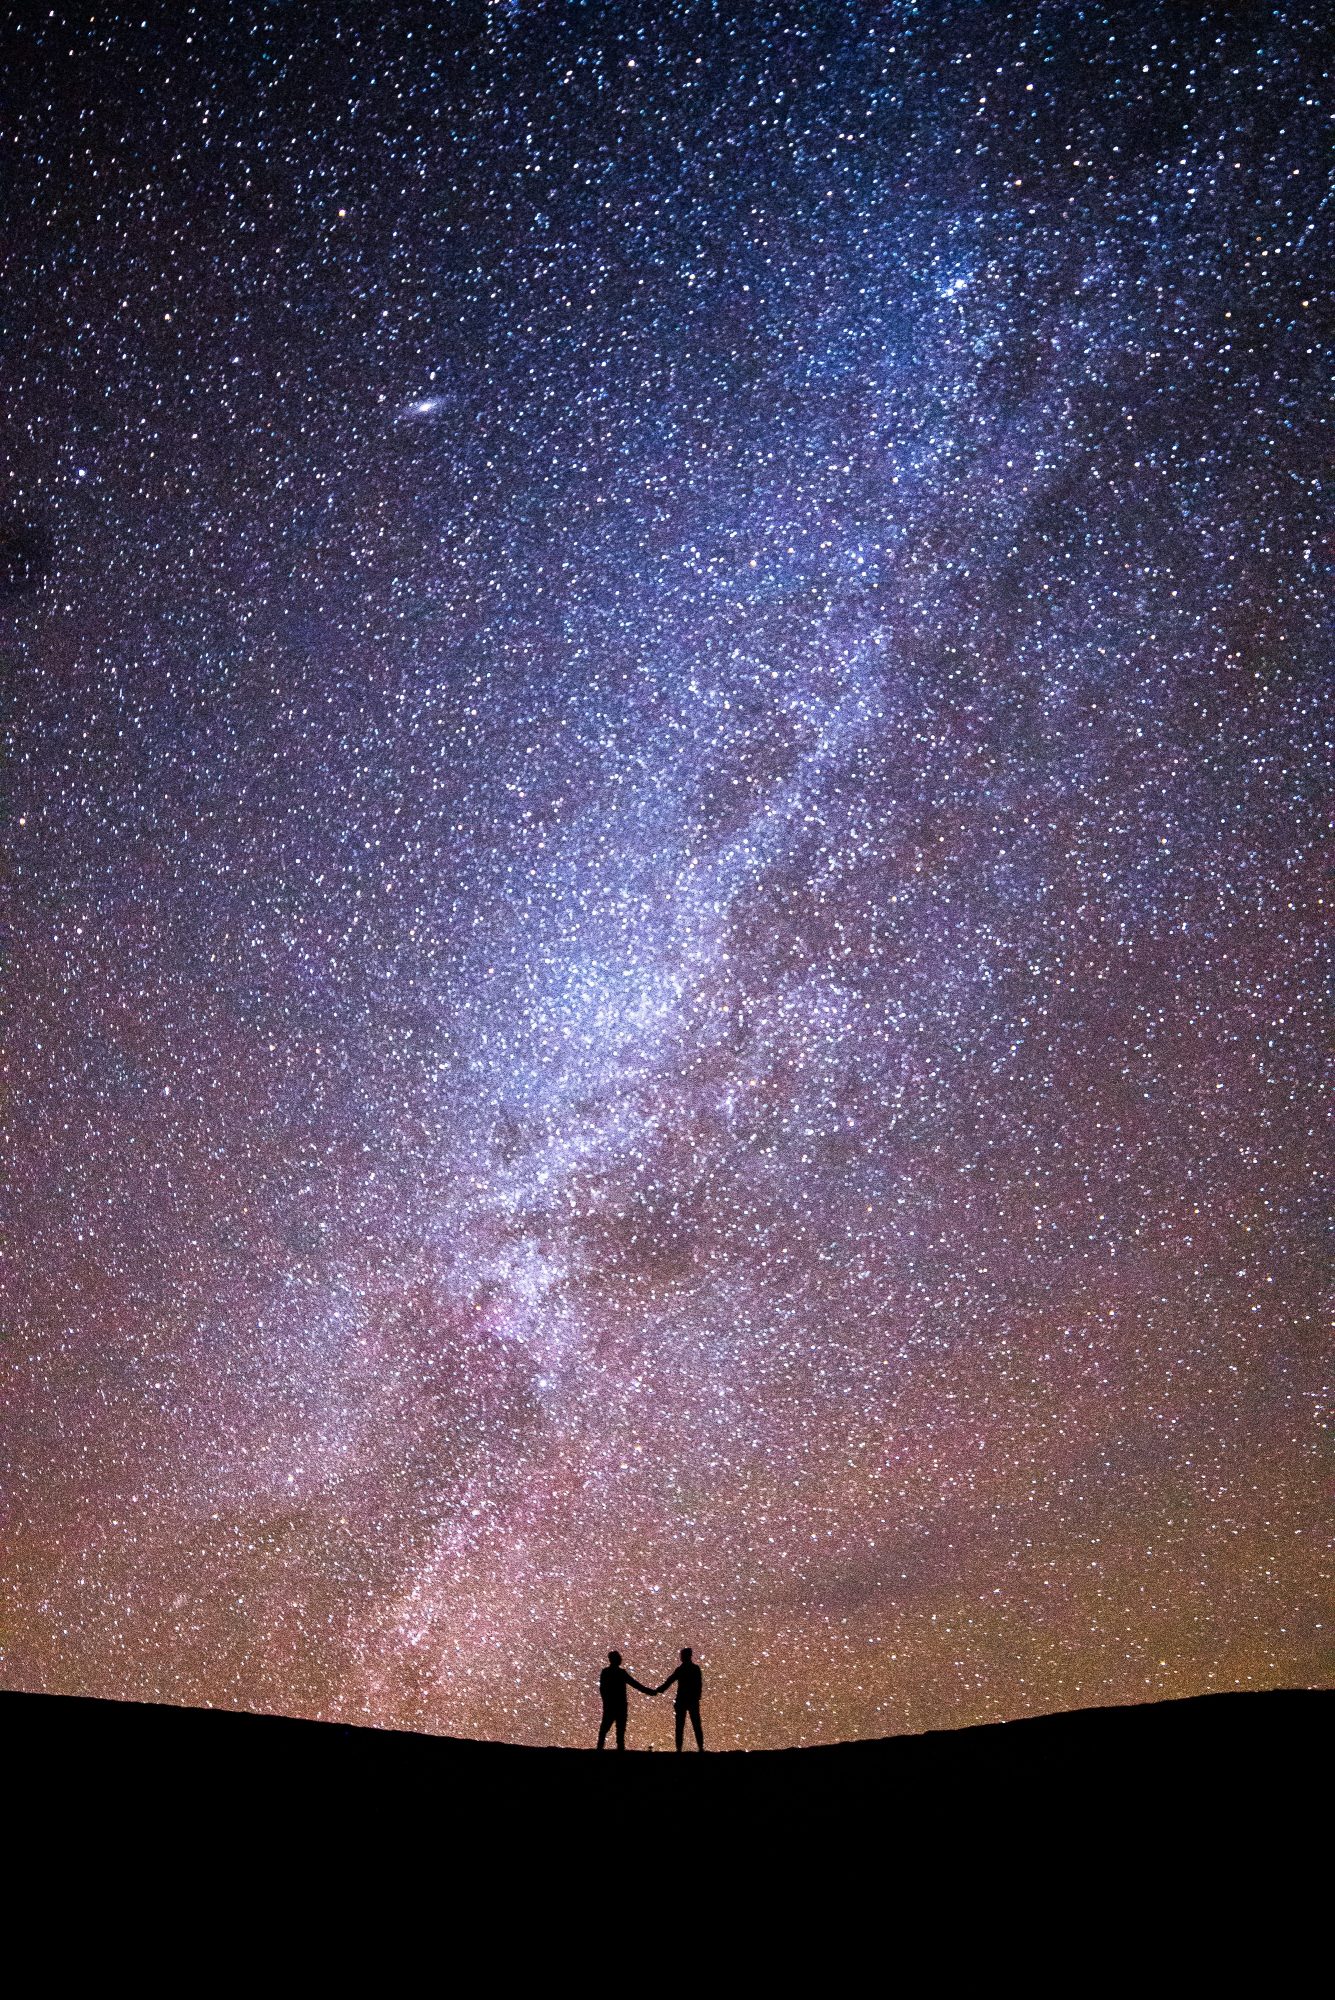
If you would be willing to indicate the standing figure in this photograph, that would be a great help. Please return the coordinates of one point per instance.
(690, 1682)
(612, 1684)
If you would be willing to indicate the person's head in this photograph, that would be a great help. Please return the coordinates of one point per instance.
(685, 1656)
(614, 1659)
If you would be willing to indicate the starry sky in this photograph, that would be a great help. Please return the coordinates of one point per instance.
(664, 684)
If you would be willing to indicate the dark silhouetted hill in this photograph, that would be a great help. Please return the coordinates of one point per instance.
(1196, 1810)
(1227, 1742)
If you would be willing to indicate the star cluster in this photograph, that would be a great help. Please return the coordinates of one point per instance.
(664, 934)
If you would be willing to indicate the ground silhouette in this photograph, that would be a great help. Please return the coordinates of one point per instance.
(1226, 1742)
(1129, 1845)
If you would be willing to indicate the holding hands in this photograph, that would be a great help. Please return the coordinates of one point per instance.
(615, 1679)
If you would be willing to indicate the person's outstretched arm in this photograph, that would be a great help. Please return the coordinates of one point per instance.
(640, 1685)
(663, 1686)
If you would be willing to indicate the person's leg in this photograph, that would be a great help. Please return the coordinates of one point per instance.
(621, 1730)
(603, 1728)
(679, 1717)
(695, 1725)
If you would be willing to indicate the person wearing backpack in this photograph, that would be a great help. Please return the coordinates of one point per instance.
(690, 1684)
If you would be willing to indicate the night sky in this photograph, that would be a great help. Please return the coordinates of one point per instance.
(665, 687)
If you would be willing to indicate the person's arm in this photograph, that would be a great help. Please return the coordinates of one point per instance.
(665, 1685)
(639, 1685)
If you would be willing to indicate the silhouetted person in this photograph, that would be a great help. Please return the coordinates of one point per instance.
(612, 1684)
(690, 1682)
